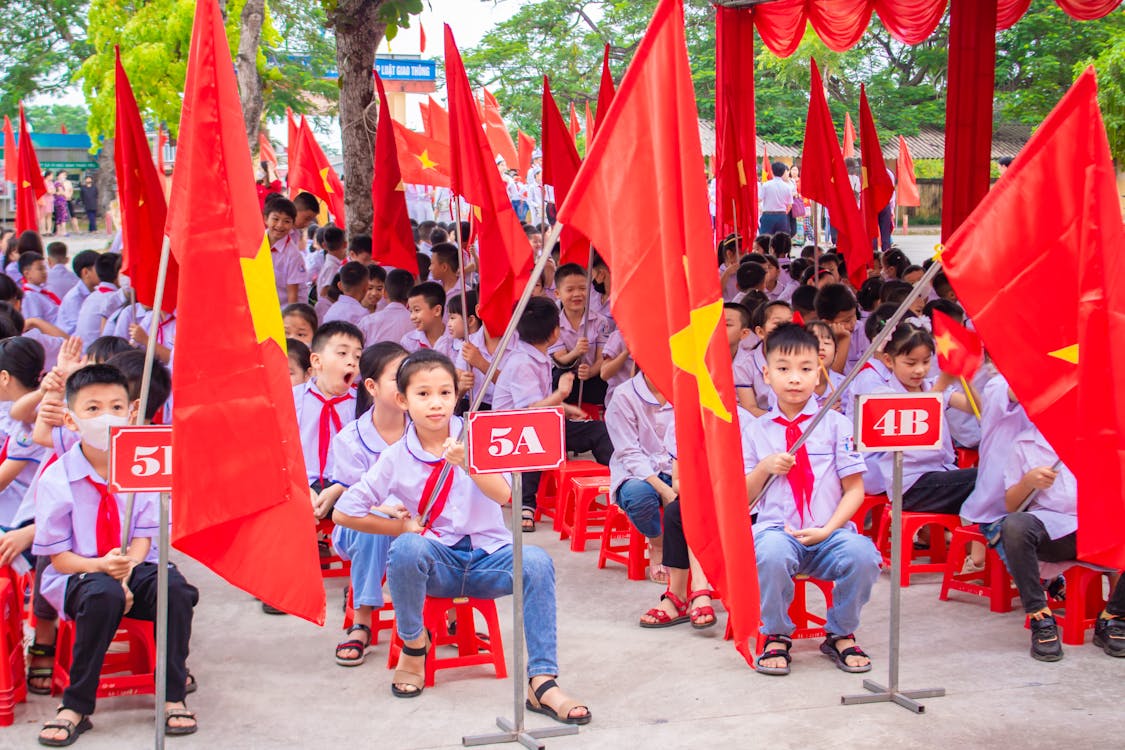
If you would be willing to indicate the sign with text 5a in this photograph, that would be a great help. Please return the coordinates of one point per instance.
(899, 421)
(516, 440)
(140, 458)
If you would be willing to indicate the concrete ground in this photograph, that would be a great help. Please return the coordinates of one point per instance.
(271, 682)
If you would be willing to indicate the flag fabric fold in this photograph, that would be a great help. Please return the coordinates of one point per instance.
(499, 138)
(1059, 197)
(526, 149)
(246, 516)
(30, 186)
(435, 121)
(293, 144)
(907, 183)
(605, 91)
(575, 128)
(736, 189)
(959, 350)
(877, 188)
(11, 152)
(140, 195)
(666, 297)
(392, 239)
(313, 173)
(422, 160)
(589, 126)
(767, 170)
(849, 136)
(265, 150)
(560, 165)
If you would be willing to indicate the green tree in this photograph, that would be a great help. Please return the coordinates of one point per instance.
(299, 52)
(51, 118)
(1110, 67)
(44, 42)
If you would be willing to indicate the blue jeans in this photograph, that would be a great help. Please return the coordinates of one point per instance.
(641, 502)
(418, 567)
(845, 557)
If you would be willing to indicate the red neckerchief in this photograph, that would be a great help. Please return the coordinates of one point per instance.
(108, 530)
(45, 292)
(104, 290)
(442, 495)
(328, 418)
(801, 475)
(868, 366)
(160, 328)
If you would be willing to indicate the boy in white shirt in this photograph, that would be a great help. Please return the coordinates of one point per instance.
(353, 285)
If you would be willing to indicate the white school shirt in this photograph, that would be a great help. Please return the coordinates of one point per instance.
(389, 324)
(783, 290)
(416, 340)
(614, 345)
(775, 195)
(165, 329)
(477, 340)
(288, 268)
(1002, 421)
(832, 454)
(103, 302)
(1056, 506)
(597, 332)
(67, 319)
(400, 475)
(762, 391)
(354, 450)
(637, 423)
(18, 446)
(916, 463)
(730, 287)
(308, 423)
(858, 345)
(347, 309)
(525, 379)
(743, 365)
(38, 303)
(602, 308)
(66, 507)
(118, 323)
(60, 279)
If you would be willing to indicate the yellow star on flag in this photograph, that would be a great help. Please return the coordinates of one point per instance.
(324, 179)
(944, 343)
(864, 182)
(741, 174)
(1066, 354)
(689, 352)
(424, 158)
(26, 184)
(400, 187)
(938, 250)
(261, 294)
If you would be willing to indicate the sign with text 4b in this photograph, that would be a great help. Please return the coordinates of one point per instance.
(516, 440)
(140, 458)
(899, 421)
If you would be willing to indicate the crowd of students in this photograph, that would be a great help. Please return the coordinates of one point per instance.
(383, 364)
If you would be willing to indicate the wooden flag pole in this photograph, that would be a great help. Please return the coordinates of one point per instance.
(969, 395)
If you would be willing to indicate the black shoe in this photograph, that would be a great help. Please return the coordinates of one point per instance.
(1056, 588)
(272, 610)
(1045, 643)
(1109, 635)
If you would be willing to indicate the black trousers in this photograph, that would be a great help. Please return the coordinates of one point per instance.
(1026, 542)
(940, 491)
(96, 603)
(675, 543)
(885, 227)
(593, 390)
(580, 437)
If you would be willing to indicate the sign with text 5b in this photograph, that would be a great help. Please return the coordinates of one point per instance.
(899, 421)
(140, 458)
(516, 440)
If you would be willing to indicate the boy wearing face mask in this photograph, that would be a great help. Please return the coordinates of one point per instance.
(78, 524)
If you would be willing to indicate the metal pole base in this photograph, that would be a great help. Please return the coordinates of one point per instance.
(529, 738)
(904, 698)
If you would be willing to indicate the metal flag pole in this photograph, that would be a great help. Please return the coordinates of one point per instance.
(816, 241)
(461, 273)
(875, 345)
(585, 319)
(1035, 492)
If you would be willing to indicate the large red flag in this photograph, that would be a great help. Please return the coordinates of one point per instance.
(292, 145)
(11, 152)
(392, 239)
(876, 181)
(589, 126)
(666, 297)
(849, 136)
(736, 184)
(1059, 197)
(422, 160)
(140, 194)
(824, 179)
(435, 121)
(502, 246)
(265, 149)
(908, 194)
(497, 131)
(29, 181)
(605, 91)
(575, 128)
(526, 149)
(560, 165)
(959, 350)
(233, 410)
(313, 173)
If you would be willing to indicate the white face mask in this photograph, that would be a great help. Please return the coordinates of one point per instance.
(95, 430)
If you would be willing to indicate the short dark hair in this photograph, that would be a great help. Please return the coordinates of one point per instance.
(423, 265)
(906, 338)
(97, 374)
(334, 328)
(132, 366)
(791, 338)
(470, 302)
(804, 299)
(912, 268)
(781, 245)
(832, 300)
(281, 205)
(23, 359)
(447, 253)
(438, 236)
(104, 348)
(301, 310)
(878, 319)
(778, 169)
(353, 275)
(942, 285)
(298, 350)
(567, 270)
(399, 283)
(423, 359)
(334, 238)
(56, 250)
(431, 291)
(425, 228)
(83, 260)
(868, 294)
(27, 259)
(306, 202)
(360, 243)
(108, 267)
(1004, 161)
(895, 291)
(29, 241)
(743, 313)
(376, 272)
(749, 275)
(950, 308)
(539, 320)
(11, 321)
(762, 312)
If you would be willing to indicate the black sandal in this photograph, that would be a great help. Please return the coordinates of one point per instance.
(354, 645)
(43, 650)
(72, 731)
(828, 648)
(562, 714)
(413, 679)
(527, 519)
(179, 713)
(775, 653)
(191, 685)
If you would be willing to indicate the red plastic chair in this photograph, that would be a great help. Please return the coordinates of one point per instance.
(967, 458)
(331, 565)
(13, 682)
(622, 543)
(1085, 600)
(584, 510)
(912, 523)
(875, 506)
(130, 671)
(472, 648)
(993, 582)
(553, 483)
(808, 625)
(382, 618)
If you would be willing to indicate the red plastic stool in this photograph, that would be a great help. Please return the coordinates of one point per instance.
(912, 523)
(808, 625)
(1084, 603)
(379, 622)
(332, 565)
(993, 582)
(595, 412)
(472, 649)
(621, 542)
(13, 683)
(876, 506)
(967, 458)
(552, 486)
(128, 672)
(582, 515)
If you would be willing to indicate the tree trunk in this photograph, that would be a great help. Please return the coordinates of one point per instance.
(246, 63)
(106, 179)
(358, 33)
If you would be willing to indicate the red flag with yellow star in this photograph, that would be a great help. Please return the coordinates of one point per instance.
(422, 160)
(313, 173)
(877, 188)
(29, 181)
(242, 498)
(736, 183)
(666, 297)
(560, 165)
(1059, 197)
(392, 239)
(959, 351)
(435, 121)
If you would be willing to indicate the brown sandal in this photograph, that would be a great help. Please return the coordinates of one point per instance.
(562, 713)
(412, 679)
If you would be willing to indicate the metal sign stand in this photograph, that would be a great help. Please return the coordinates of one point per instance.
(513, 730)
(891, 693)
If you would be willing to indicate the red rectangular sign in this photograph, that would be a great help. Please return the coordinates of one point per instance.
(140, 458)
(516, 440)
(899, 421)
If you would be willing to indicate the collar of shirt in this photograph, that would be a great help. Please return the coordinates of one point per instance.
(310, 384)
(283, 244)
(105, 287)
(369, 437)
(593, 321)
(809, 408)
(414, 445)
(77, 466)
(644, 392)
(534, 353)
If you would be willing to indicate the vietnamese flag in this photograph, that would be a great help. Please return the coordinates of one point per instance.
(140, 194)
(265, 150)
(605, 91)
(849, 136)
(736, 189)
(877, 188)
(29, 181)
(292, 145)
(161, 141)
(589, 126)
(233, 402)
(435, 121)
(908, 194)
(666, 297)
(313, 173)
(497, 131)
(10, 152)
(526, 149)
(575, 128)
(824, 179)
(502, 245)
(767, 167)
(422, 160)
(1063, 366)
(959, 351)
(392, 239)
(560, 165)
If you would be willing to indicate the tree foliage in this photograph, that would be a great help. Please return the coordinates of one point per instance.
(1110, 67)
(50, 118)
(44, 42)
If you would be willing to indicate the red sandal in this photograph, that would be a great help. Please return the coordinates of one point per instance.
(662, 618)
(698, 613)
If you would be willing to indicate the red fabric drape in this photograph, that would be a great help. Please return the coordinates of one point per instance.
(736, 184)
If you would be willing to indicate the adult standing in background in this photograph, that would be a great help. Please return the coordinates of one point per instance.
(777, 202)
(89, 194)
